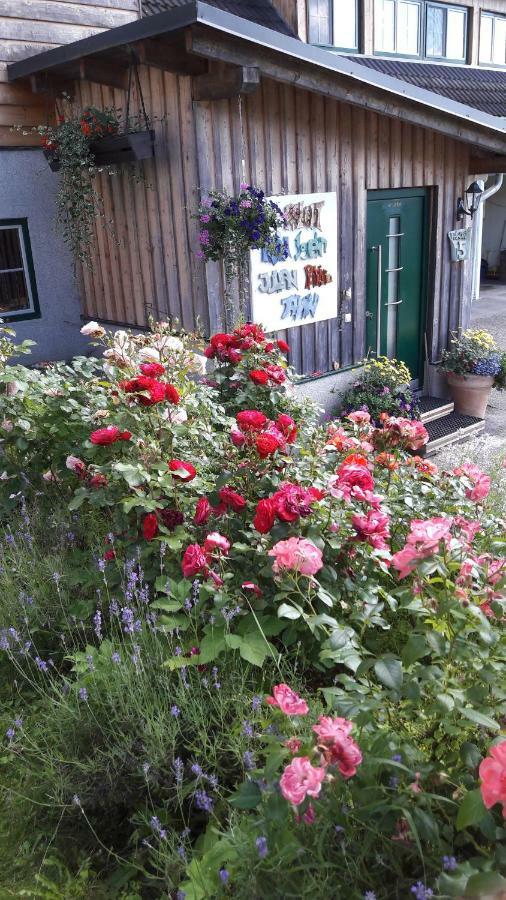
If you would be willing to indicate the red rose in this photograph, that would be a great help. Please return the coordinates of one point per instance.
(264, 516)
(109, 435)
(234, 356)
(231, 498)
(109, 554)
(268, 347)
(194, 561)
(250, 420)
(182, 470)
(98, 481)
(283, 346)
(152, 369)
(258, 376)
(275, 374)
(150, 526)
(251, 586)
(143, 385)
(202, 511)
(287, 425)
(172, 394)
(267, 444)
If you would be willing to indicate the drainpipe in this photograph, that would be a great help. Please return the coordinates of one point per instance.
(478, 232)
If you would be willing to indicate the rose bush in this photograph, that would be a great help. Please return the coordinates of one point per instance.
(224, 539)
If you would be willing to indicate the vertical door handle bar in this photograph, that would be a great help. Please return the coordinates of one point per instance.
(379, 250)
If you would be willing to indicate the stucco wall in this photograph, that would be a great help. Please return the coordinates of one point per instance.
(27, 190)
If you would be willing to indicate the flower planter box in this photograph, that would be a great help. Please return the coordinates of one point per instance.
(115, 150)
(122, 148)
(470, 393)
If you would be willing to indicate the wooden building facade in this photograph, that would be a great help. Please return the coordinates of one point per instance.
(232, 101)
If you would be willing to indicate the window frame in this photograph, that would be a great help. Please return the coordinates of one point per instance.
(395, 54)
(358, 30)
(33, 311)
(422, 54)
(486, 13)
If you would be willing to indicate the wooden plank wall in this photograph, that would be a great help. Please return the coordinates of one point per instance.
(28, 27)
(292, 141)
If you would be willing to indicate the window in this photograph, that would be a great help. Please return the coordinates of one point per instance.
(493, 39)
(420, 28)
(397, 27)
(18, 293)
(333, 23)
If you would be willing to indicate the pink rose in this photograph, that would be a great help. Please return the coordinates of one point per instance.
(493, 777)
(194, 561)
(373, 528)
(236, 436)
(288, 701)
(297, 554)
(300, 780)
(359, 417)
(348, 479)
(293, 745)
(76, 465)
(329, 729)
(337, 747)
(426, 534)
(480, 482)
(215, 541)
(405, 560)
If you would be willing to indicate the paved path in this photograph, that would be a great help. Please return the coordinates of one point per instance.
(489, 312)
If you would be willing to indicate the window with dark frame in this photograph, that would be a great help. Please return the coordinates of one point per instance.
(421, 28)
(492, 50)
(333, 23)
(18, 292)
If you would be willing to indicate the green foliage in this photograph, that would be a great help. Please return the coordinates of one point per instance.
(474, 352)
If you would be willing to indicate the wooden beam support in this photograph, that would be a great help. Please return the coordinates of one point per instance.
(172, 56)
(331, 83)
(44, 83)
(222, 86)
(487, 165)
(102, 72)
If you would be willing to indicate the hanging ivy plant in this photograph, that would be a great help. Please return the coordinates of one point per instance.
(232, 226)
(69, 147)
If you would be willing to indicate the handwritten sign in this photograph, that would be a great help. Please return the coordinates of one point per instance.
(460, 244)
(298, 286)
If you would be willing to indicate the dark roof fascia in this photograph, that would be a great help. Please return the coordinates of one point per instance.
(196, 12)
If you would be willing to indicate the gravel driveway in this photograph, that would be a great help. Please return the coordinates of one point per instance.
(489, 312)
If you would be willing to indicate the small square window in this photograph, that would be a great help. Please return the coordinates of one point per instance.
(18, 292)
(492, 39)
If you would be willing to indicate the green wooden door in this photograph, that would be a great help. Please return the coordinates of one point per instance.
(396, 276)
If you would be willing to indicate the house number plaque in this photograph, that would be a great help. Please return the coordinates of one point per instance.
(460, 244)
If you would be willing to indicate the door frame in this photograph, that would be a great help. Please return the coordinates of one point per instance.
(429, 212)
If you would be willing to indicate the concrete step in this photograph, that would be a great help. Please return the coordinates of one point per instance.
(432, 408)
(450, 429)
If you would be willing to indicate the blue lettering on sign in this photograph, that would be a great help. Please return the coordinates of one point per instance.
(283, 252)
(277, 280)
(299, 308)
(311, 249)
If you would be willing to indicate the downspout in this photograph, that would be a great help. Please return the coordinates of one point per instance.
(478, 232)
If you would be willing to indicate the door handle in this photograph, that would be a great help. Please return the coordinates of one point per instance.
(379, 250)
(394, 303)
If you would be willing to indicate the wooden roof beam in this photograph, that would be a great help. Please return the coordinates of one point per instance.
(46, 83)
(222, 86)
(170, 55)
(487, 165)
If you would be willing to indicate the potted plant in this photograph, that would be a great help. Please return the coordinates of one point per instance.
(473, 365)
(231, 226)
(382, 387)
(81, 142)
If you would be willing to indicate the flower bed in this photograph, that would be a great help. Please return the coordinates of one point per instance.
(244, 654)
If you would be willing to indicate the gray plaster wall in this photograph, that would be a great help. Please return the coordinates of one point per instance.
(27, 190)
(325, 391)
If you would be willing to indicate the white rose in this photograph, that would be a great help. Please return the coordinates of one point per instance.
(74, 464)
(149, 355)
(93, 329)
(175, 416)
(50, 476)
(121, 338)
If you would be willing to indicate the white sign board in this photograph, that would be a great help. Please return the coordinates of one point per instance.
(301, 287)
(460, 244)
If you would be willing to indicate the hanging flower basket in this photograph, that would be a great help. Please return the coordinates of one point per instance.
(123, 148)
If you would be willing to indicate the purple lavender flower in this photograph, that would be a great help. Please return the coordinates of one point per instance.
(116, 658)
(397, 757)
(247, 729)
(97, 624)
(178, 768)
(56, 577)
(197, 770)
(204, 237)
(175, 711)
(205, 218)
(203, 801)
(18, 722)
(369, 895)
(91, 664)
(182, 852)
(145, 767)
(180, 895)
(449, 863)
(394, 782)
(261, 845)
(224, 876)
(43, 666)
(10, 733)
(157, 828)
(212, 781)
(83, 694)
(256, 703)
(421, 892)
(248, 760)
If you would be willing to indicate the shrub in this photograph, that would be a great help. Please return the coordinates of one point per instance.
(383, 387)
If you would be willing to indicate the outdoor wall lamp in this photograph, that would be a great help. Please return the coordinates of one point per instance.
(473, 198)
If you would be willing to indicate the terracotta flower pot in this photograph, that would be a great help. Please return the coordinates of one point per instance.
(470, 393)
